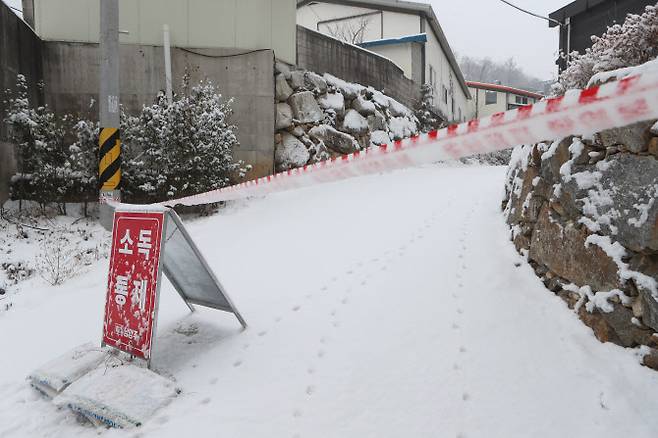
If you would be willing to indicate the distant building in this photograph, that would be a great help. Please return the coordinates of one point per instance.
(583, 18)
(489, 99)
(407, 33)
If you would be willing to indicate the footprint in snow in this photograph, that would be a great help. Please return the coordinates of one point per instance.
(237, 363)
(344, 300)
(462, 349)
(460, 311)
(311, 370)
(310, 389)
(456, 367)
(263, 333)
(296, 308)
(277, 319)
(455, 326)
(321, 354)
(297, 413)
(214, 381)
(205, 401)
(466, 396)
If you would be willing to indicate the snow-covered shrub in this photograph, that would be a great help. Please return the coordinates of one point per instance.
(39, 137)
(57, 261)
(623, 45)
(15, 272)
(49, 169)
(428, 120)
(169, 150)
(182, 148)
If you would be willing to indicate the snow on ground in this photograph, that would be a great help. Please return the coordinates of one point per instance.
(384, 306)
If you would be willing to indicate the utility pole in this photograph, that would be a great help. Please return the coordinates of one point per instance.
(167, 57)
(109, 140)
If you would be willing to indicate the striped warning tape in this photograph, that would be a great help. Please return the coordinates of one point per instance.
(615, 104)
(109, 159)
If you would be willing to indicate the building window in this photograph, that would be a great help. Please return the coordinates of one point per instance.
(452, 107)
(490, 97)
(460, 115)
(521, 100)
(445, 94)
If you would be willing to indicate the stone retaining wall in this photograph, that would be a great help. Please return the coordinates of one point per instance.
(585, 213)
(318, 117)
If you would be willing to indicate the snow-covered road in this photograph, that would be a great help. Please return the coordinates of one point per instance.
(385, 306)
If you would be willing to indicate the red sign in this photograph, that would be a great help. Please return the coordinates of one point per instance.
(132, 289)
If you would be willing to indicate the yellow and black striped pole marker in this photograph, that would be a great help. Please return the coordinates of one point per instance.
(109, 159)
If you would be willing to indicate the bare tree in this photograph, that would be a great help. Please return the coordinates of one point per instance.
(507, 72)
(352, 31)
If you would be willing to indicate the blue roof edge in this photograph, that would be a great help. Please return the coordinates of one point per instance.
(418, 38)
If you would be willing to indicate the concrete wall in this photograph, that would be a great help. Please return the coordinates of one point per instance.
(20, 52)
(245, 24)
(323, 54)
(71, 73)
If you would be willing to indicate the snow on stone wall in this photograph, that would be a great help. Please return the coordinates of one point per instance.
(585, 213)
(318, 117)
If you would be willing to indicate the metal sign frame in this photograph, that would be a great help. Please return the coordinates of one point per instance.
(172, 225)
(202, 263)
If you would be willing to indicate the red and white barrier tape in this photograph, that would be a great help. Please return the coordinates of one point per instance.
(611, 105)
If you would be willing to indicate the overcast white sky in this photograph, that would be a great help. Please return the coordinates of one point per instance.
(480, 28)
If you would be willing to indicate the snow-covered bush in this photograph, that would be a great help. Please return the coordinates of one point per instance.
(57, 262)
(169, 150)
(623, 45)
(39, 137)
(182, 148)
(428, 120)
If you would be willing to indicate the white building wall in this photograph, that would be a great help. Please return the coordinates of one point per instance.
(398, 53)
(245, 24)
(436, 59)
(312, 16)
(397, 24)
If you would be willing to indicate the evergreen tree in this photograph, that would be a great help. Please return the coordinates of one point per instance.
(427, 118)
(182, 148)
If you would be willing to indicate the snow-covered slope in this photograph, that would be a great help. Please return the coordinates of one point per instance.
(385, 306)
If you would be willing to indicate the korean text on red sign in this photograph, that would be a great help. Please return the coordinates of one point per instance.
(131, 301)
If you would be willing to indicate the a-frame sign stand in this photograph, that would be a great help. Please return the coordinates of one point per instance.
(147, 242)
